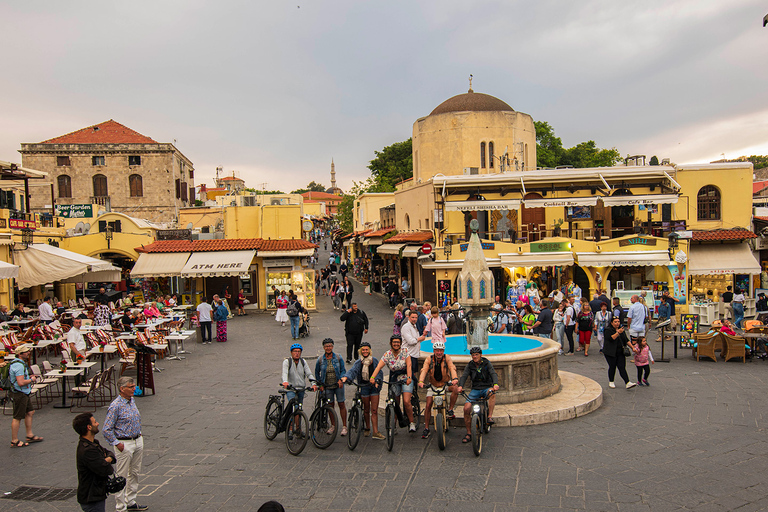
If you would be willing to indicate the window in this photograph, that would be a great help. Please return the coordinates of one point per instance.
(191, 174)
(178, 189)
(192, 195)
(100, 186)
(62, 161)
(490, 155)
(97, 160)
(482, 155)
(134, 160)
(183, 189)
(136, 185)
(708, 203)
(65, 185)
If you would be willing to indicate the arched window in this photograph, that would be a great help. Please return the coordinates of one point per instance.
(407, 222)
(482, 155)
(65, 185)
(708, 203)
(136, 186)
(490, 155)
(100, 186)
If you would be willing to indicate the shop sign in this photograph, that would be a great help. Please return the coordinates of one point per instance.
(278, 262)
(74, 211)
(638, 240)
(550, 246)
(487, 246)
(174, 234)
(21, 224)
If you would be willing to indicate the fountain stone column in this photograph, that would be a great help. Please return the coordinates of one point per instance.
(476, 290)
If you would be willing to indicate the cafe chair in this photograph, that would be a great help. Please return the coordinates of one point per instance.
(704, 345)
(127, 357)
(46, 384)
(85, 396)
(47, 367)
(733, 347)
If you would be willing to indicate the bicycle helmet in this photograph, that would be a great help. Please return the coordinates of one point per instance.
(297, 346)
(395, 337)
(328, 340)
(438, 345)
(365, 344)
(475, 350)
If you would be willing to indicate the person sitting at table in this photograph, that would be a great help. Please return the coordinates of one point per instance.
(727, 328)
(174, 301)
(4, 316)
(151, 311)
(18, 311)
(167, 301)
(128, 300)
(60, 309)
(127, 320)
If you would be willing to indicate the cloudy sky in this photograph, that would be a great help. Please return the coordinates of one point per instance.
(274, 89)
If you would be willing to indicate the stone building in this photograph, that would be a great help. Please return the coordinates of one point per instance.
(113, 166)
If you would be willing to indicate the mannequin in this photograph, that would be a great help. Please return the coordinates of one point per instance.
(521, 282)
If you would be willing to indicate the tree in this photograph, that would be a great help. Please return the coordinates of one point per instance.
(551, 153)
(311, 187)
(345, 211)
(392, 165)
(654, 160)
(549, 149)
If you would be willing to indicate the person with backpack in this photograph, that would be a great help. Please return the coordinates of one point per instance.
(602, 320)
(293, 311)
(329, 369)
(355, 325)
(295, 373)
(500, 320)
(19, 382)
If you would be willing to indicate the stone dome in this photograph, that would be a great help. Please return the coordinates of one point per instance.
(472, 102)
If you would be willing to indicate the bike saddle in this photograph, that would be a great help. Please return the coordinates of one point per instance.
(282, 391)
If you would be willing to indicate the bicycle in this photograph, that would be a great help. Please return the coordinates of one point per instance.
(289, 418)
(391, 416)
(440, 409)
(479, 423)
(323, 422)
(355, 419)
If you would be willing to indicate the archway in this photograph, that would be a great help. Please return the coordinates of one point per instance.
(533, 222)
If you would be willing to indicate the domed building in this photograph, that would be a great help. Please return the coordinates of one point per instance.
(472, 133)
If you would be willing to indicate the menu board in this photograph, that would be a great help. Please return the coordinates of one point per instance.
(688, 323)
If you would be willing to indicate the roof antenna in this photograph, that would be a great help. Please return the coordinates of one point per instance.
(470, 84)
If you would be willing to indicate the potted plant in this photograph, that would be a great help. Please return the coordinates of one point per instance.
(63, 366)
(556, 228)
(102, 344)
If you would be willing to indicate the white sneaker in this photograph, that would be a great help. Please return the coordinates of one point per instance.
(412, 427)
(611, 385)
(343, 431)
(631, 384)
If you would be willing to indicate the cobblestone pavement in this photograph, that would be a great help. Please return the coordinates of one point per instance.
(693, 440)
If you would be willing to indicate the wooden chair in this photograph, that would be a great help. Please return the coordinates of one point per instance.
(704, 345)
(733, 346)
(86, 393)
(127, 357)
(45, 384)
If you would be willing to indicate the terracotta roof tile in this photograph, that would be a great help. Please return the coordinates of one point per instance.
(285, 245)
(381, 232)
(717, 235)
(346, 237)
(108, 132)
(757, 186)
(414, 236)
(764, 219)
(166, 246)
(233, 244)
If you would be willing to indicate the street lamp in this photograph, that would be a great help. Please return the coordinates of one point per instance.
(27, 237)
(672, 238)
(108, 236)
(448, 246)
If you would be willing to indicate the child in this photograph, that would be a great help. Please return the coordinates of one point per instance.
(643, 361)
(435, 326)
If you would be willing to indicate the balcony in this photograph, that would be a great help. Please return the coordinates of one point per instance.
(539, 232)
(102, 201)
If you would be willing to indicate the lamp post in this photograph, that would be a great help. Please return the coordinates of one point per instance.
(672, 238)
(108, 236)
(27, 237)
(448, 247)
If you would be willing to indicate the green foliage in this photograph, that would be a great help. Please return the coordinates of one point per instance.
(198, 202)
(392, 165)
(345, 211)
(551, 153)
(654, 160)
(311, 187)
(759, 161)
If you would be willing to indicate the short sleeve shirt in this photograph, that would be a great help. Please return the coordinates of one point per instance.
(18, 369)
(204, 310)
(637, 315)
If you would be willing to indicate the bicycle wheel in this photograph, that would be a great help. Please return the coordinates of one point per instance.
(355, 424)
(416, 406)
(390, 424)
(272, 419)
(324, 426)
(477, 434)
(296, 433)
(440, 430)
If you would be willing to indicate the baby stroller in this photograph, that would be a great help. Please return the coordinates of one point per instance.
(304, 325)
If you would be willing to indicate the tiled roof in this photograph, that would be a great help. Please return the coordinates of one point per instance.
(764, 219)
(234, 244)
(381, 232)
(346, 237)
(230, 178)
(321, 195)
(717, 235)
(108, 132)
(414, 236)
(757, 186)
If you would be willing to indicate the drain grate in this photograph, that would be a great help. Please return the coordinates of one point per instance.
(28, 493)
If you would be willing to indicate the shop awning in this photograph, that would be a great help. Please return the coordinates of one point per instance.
(347, 243)
(218, 263)
(537, 259)
(376, 240)
(446, 264)
(572, 201)
(623, 259)
(474, 206)
(412, 251)
(298, 253)
(159, 264)
(7, 271)
(43, 263)
(721, 259)
(389, 249)
(640, 199)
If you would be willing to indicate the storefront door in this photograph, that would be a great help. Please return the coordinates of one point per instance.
(533, 220)
(429, 285)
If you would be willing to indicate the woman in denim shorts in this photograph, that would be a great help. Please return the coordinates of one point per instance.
(360, 373)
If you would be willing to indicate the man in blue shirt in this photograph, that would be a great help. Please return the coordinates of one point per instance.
(636, 318)
(21, 389)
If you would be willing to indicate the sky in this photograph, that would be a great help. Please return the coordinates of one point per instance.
(273, 90)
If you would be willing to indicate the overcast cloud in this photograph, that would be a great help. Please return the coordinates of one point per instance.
(273, 89)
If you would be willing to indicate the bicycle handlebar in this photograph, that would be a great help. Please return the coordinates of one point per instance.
(488, 394)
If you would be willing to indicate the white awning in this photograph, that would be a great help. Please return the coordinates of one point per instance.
(447, 264)
(472, 206)
(389, 249)
(572, 201)
(412, 251)
(376, 240)
(7, 271)
(722, 259)
(43, 263)
(298, 253)
(537, 259)
(159, 264)
(642, 199)
(218, 263)
(347, 243)
(623, 259)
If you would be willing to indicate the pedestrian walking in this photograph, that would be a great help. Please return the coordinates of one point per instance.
(21, 389)
(585, 320)
(559, 317)
(221, 315)
(294, 312)
(282, 304)
(355, 325)
(643, 361)
(616, 341)
(94, 465)
(204, 319)
(602, 319)
(122, 429)
(349, 290)
(335, 297)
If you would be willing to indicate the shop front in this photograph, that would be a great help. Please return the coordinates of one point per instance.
(285, 275)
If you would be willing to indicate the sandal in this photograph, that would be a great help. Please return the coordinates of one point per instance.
(19, 444)
(35, 439)
(467, 438)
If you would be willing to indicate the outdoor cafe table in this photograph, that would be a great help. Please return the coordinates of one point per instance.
(22, 322)
(81, 365)
(70, 372)
(96, 328)
(108, 349)
(156, 346)
(176, 338)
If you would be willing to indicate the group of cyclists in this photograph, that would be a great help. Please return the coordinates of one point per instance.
(437, 371)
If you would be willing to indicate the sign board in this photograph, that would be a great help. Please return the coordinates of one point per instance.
(21, 224)
(487, 246)
(688, 323)
(637, 240)
(174, 234)
(278, 262)
(426, 248)
(307, 225)
(550, 246)
(477, 206)
(74, 211)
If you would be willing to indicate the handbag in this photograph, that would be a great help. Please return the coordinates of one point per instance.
(627, 351)
(115, 484)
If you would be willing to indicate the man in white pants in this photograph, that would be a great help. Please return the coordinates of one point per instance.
(122, 429)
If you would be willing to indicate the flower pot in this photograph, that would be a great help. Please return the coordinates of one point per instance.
(101, 348)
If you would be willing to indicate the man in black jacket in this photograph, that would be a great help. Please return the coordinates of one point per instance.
(94, 465)
(483, 377)
(356, 324)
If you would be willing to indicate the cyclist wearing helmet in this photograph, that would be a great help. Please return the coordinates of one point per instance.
(361, 374)
(398, 361)
(329, 370)
(483, 376)
(441, 371)
(296, 371)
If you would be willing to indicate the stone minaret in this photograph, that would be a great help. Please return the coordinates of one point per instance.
(333, 176)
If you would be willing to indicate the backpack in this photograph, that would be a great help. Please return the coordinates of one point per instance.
(292, 310)
(5, 375)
